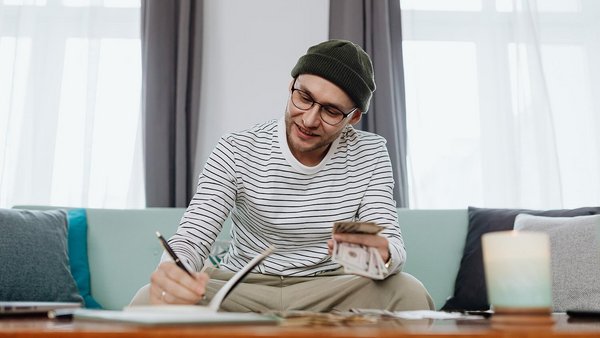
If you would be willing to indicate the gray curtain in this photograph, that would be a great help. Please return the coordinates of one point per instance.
(171, 65)
(376, 26)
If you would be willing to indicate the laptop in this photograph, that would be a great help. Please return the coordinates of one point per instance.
(22, 308)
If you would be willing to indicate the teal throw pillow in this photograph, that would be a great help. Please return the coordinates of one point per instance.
(78, 255)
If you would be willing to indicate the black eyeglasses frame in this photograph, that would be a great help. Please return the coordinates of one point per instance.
(323, 107)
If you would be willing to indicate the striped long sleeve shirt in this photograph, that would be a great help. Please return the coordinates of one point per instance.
(273, 199)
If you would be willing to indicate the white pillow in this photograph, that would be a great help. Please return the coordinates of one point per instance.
(575, 255)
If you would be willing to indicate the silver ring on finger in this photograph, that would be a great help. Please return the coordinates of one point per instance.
(162, 295)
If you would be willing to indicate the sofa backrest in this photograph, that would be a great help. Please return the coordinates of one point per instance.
(434, 241)
(123, 249)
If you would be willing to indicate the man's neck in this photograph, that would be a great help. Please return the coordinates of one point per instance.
(312, 158)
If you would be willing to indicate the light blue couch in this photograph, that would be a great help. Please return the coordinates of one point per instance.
(123, 249)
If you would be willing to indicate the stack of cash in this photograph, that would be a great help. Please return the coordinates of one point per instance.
(311, 319)
(358, 259)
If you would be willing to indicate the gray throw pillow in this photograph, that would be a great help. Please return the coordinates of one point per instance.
(575, 256)
(33, 251)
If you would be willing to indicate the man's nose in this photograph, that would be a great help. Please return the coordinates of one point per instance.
(312, 117)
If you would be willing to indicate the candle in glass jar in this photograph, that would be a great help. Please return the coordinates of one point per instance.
(517, 270)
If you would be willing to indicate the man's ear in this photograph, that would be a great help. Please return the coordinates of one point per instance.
(291, 84)
(356, 116)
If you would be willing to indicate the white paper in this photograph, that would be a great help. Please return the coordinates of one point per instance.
(417, 314)
(173, 317)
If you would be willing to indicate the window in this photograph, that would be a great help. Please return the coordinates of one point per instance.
(500, 102)
(70, 93)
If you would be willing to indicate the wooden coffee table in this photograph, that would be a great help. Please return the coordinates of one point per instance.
(41, 327)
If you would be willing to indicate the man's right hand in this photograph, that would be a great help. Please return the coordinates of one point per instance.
(171, 285)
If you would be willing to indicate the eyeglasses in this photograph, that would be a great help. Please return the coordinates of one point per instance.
(329, 114)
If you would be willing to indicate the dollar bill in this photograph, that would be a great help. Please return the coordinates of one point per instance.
(357, 227)
(358, 259)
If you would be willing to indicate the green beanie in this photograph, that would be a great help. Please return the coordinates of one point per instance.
(343, 63)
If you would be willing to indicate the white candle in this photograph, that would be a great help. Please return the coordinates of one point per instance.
(517, 269)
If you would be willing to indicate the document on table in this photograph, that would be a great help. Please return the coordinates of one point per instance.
(173, 316)
(417, 314)
(186, 314)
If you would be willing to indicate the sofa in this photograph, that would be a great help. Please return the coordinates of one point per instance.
(123, 249)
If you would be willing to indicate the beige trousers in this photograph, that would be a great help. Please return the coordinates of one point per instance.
(327, 292)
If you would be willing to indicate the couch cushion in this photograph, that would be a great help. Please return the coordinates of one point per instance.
(470, 292)
(575, 256)
(33, 247)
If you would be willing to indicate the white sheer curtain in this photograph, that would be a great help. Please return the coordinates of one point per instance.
(503, 102)
(70, 88)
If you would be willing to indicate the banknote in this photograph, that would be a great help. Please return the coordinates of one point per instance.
(357, 227)
(358, 259)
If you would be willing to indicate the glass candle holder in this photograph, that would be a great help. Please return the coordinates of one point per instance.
(517, 271)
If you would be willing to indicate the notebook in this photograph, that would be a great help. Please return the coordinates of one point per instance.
(186, 314)
(21, 308)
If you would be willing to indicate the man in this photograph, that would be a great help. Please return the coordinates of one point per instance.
(284, 183)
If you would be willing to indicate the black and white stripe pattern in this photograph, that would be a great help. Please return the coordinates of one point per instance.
(275, 200)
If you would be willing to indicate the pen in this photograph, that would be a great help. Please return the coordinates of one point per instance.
(171, 253)
(61, 314)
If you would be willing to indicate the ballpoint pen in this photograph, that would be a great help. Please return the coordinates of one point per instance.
(171, 253)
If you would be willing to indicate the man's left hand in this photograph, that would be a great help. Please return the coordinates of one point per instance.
(379, 242)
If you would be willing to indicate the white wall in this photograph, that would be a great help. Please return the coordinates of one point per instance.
(250, 47)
